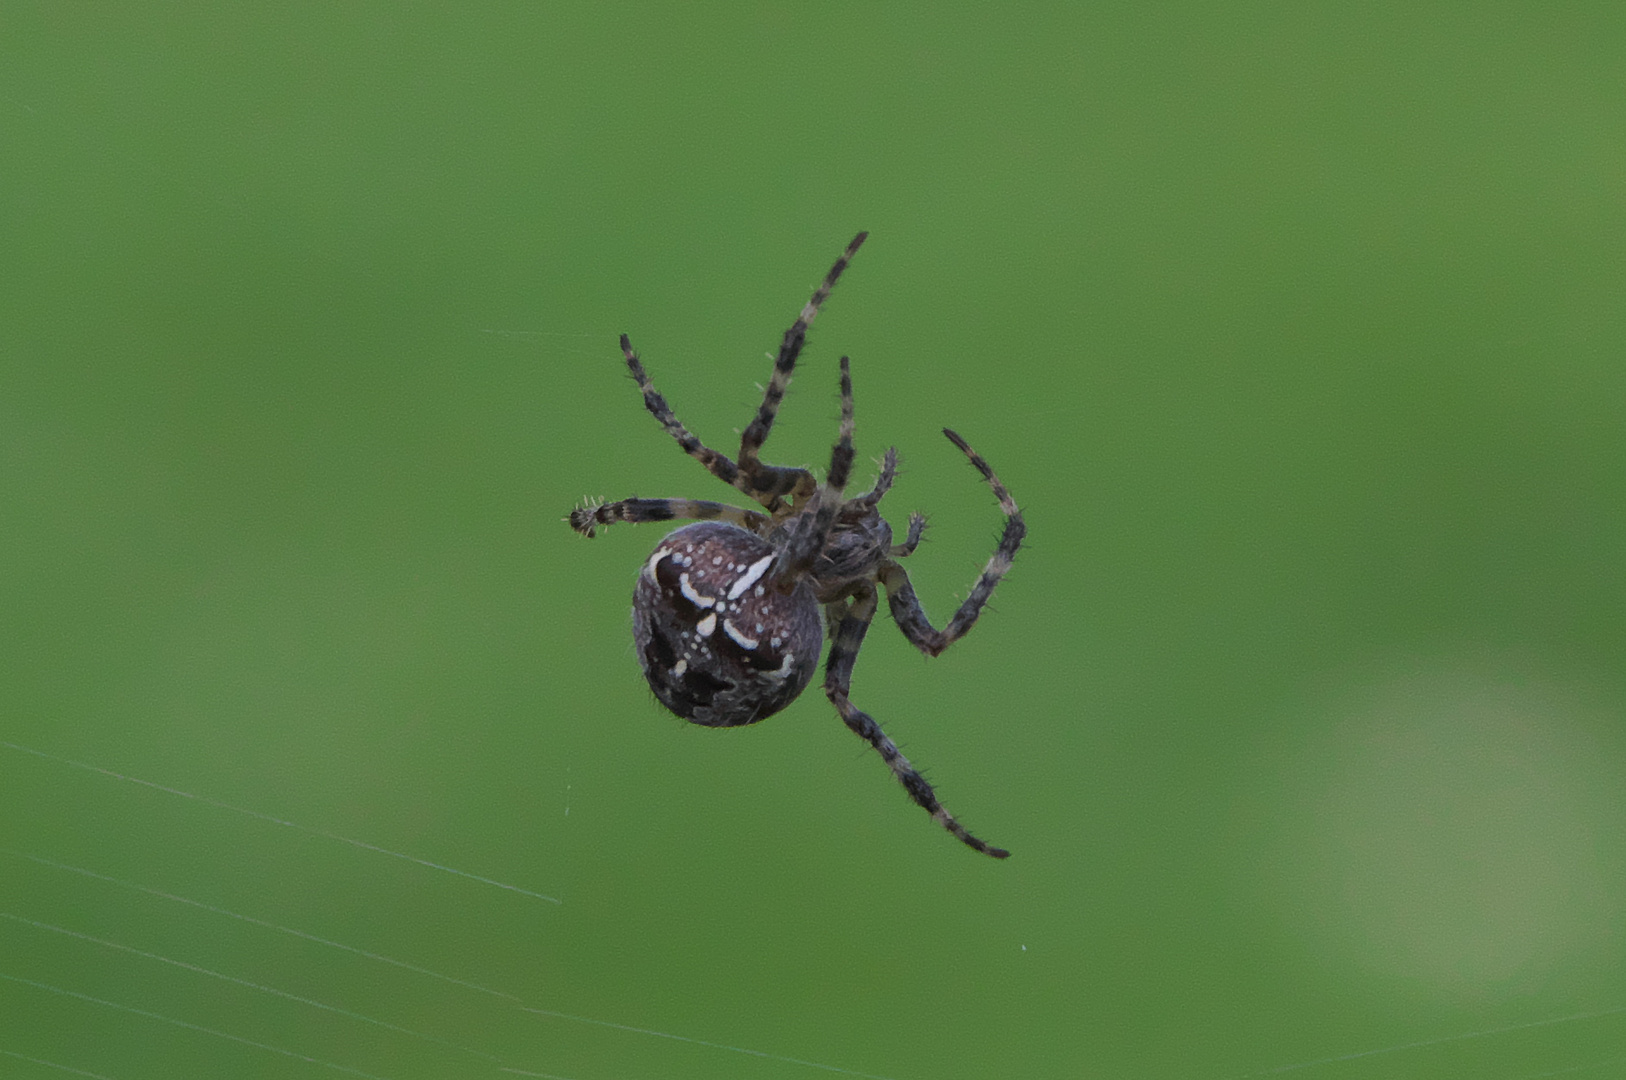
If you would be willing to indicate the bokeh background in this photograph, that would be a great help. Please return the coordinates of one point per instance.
(1298, 331)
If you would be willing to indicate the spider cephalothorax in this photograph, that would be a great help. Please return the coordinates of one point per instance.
(726, 611)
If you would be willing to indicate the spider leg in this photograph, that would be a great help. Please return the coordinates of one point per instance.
(870, 499)
(814, 525)
(883, 483)
(838, 671)
(773, 481)
(834, 614)
(900, 594)
(586, 519)
(917, 529)
(718, 464)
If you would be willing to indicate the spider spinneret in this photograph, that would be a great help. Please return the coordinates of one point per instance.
(726, 612)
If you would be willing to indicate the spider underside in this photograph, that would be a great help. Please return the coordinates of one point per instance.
(726, 610)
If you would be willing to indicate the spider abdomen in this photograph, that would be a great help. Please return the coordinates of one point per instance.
(717, 645)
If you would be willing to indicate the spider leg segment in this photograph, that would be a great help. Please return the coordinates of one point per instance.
(900, 595)
(833, 614)
(770, 480)
(838, 672)
(716, 463)
(813, 527)
(883, 483)
(917, 529)
(586, 519)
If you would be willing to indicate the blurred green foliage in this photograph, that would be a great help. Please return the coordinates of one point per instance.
(1297, 330)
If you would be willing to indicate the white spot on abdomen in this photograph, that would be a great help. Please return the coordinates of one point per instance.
(693, 597)
(705, 626)
(749, 578)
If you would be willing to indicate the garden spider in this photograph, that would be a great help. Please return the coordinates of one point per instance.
(726, 611)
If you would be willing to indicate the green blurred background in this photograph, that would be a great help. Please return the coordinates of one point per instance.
(1297, 330)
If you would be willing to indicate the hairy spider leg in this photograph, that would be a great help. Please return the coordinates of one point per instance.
(900, 594)
(584, 519)
(872, 498)
(718, 464)
(838, 671)
(773, 481)
(813, 527)
(917, 529)
(883, 483)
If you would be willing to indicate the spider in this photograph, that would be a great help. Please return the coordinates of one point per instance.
(726, 612)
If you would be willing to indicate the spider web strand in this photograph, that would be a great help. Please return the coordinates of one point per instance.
(517, 1001)
(379, 957)
(1437, 1042)
(53, 1065)
(362, 844)
(190, 1026)
(703, 1042)
(285, 995)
